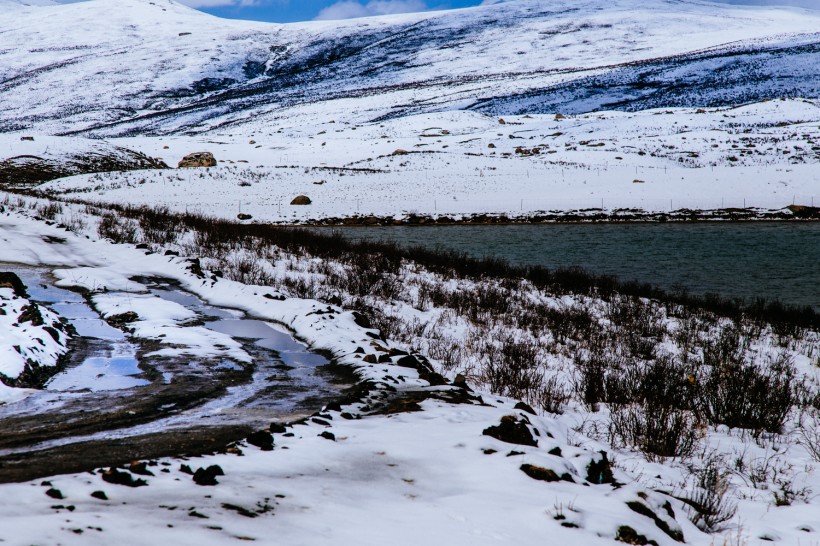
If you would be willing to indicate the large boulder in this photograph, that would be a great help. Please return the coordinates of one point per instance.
(198, 159)
(301, 200)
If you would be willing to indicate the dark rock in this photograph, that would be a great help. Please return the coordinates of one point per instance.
(142, 246)
(644, 510)
(272, 297)
(384, 359)
(55, 494)
(198, 159)
(243, 216)
(525, 407)
(112, 475)
(512, 431)
(461, 382)
(328, 435)
(31, 313)
(171, 253)
(186, 469)
(540, 473)
(123, 318)
(599, 472)
(408, 362)
(629, 535)
(370, 359)
(11, 280)
(301, 200)
(141, 468)
(358, 318)
(99, 495)
(196, 267)
(333, 406)
(555, 451)
(207, 476)
(277, 428)
(261, 439)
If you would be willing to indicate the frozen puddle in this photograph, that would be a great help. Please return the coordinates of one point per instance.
(106, 361)
(119, 395)
(115, 370)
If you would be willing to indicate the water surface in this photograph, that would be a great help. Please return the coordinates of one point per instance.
(773, 260)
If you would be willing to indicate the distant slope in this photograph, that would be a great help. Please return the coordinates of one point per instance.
(121, 67)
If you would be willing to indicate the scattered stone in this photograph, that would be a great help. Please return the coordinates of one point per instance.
(122, 319)
(184, 468)
(523, 406)
(55, 494)
(261, 439)
(99, 495)
(239, 510)
(328, 435)
(556, 451)
(599, 472)
(301, 200)
(629, 535)
(197, 159)
(540, 473)
(141, 468)
(642, 509)
(277, 428)
(512, 431)
(207, 476)
(112, 475)
(11, 280)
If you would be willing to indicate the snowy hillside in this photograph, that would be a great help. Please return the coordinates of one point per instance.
(159, 67)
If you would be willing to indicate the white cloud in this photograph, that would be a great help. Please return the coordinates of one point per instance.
(348, 9)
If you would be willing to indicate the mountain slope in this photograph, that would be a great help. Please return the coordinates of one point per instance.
(124, 67)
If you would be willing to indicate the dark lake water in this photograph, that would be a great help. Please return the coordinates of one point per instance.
(748, 260)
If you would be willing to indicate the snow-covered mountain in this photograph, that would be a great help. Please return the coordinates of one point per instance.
(120, 67)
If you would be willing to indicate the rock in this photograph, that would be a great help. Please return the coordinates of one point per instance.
(243, 216)
(112, 475)
(11, 280)
(141, 468)
(198, 159)
(629, 535)
(261, 439)
(28, 138)
(400, 152)
(560, 116)
(328, 435)
(540, 473)
(501, 121)
(525, 407)
(408, 362)
(207, 476)
(512, 431)
(370, 359)
(277, 428)
(301, 200)
(55, 494)
(490, 145)
(599, 472)
(122, 319)
(99, 495)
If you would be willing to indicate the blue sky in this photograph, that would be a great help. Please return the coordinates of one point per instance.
(284, 11)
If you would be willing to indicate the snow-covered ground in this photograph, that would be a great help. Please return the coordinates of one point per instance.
(404, 460)
(510, 109)
(455, 164)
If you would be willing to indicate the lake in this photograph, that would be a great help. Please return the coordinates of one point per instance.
(773, 260)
